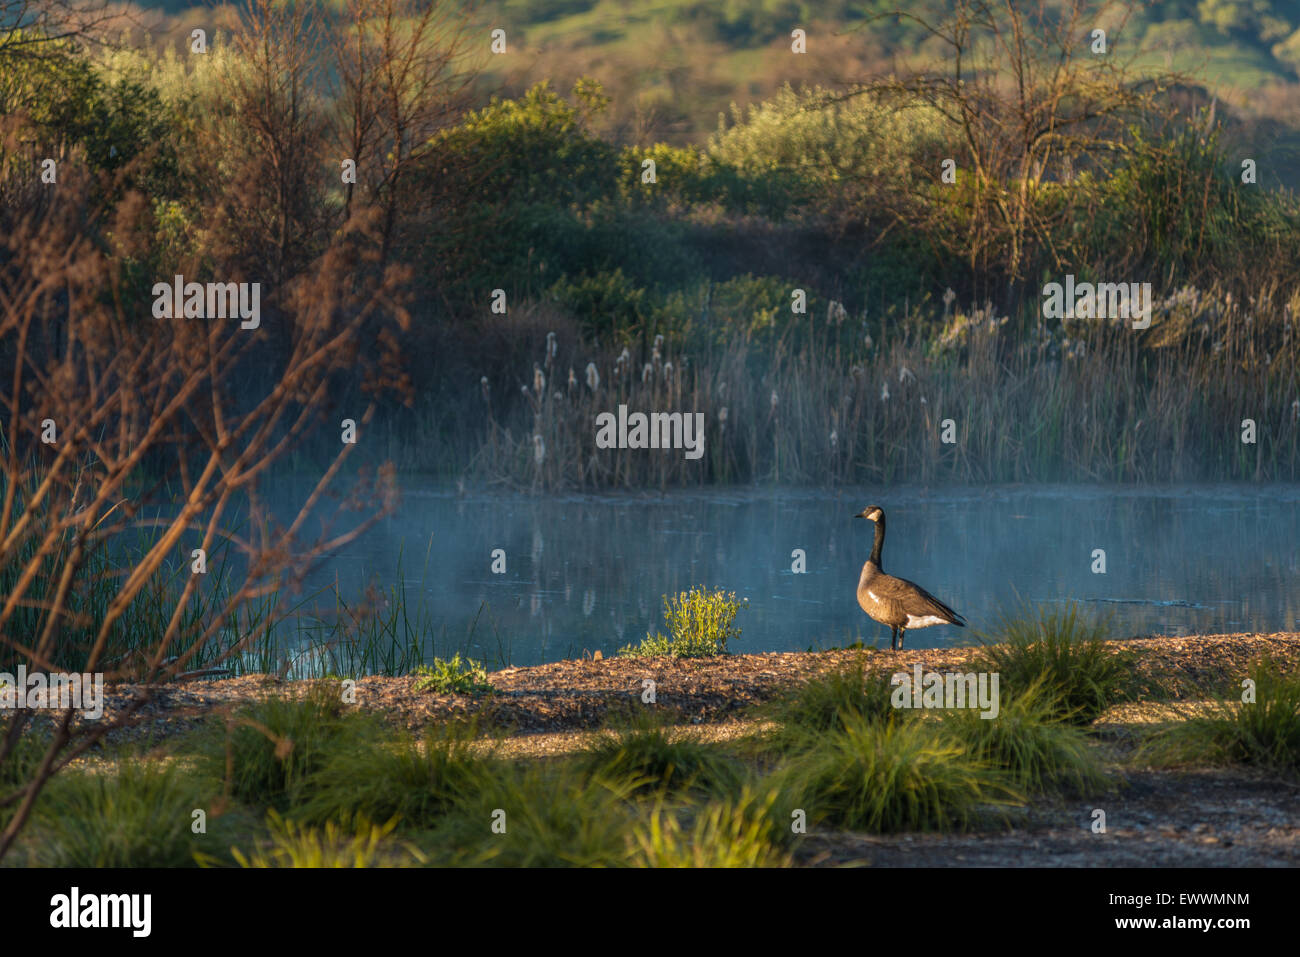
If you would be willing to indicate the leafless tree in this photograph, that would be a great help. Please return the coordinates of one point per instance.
(116, 420)
(403, 71)
(31, 29)
(1031, 99)
(275, 129)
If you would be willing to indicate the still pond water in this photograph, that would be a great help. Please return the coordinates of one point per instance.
(590, 572)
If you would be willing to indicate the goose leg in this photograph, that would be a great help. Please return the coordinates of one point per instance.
(900, 637)
(893, 637)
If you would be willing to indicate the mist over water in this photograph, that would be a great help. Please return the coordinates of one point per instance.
(586, 572)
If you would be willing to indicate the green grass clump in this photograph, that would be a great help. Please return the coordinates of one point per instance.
(138, 815)
(1029, 740)
(823, 704)
(649, 757)
(700, 623)
(735, 832)
(268, 750)
(18, 767)
(383, 777)
(1264, 733)
(891, 777)
(538, 816)
(1065, 652)
(353, 843)
(452, 676)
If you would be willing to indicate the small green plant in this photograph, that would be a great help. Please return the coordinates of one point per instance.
(1031, 741)
(1264, 732)
(736, 832)
(650, 757)
(452, 676)
(885, 778)
(700, 623)
(1063, 651)
(352, 843)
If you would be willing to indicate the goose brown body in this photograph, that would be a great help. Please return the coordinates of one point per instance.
(897, 602)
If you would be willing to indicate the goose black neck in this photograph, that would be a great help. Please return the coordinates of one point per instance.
(880, 541)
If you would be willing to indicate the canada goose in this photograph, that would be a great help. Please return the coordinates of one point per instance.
(897, 602)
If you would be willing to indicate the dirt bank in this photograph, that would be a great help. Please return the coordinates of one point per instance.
(574, 695)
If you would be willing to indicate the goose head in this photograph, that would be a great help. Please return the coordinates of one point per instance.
(872, 513)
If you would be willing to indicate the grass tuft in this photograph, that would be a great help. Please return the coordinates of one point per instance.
(734, 832)
(139, 815)
(1262, 733)
(650, 757)
(267, 751)
(1066, 653)
(886, 778)
(1029, 740)
(536, 816)
(825, 703)
(354, 843)
(383, 778)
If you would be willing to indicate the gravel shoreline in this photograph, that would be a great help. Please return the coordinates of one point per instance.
(582, 694)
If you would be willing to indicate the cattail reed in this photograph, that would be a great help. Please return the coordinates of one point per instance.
(1073, 394)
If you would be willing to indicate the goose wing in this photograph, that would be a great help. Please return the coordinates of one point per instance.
(920, 603)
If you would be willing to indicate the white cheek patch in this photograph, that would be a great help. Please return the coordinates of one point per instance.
(914, 622)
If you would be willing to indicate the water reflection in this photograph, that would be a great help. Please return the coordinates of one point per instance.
(589, 572)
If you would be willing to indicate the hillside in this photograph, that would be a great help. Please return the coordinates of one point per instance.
(672, 66)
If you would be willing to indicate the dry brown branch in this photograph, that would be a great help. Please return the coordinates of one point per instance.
(117, 421)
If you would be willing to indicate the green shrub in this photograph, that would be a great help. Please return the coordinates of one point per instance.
(819, 139)
(604, 303)
(452, 676)
(699, 625)
(1063, 651)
